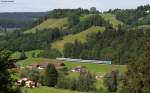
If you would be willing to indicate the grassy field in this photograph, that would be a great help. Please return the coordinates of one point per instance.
(112, 19)
(30, 59)
(98, 68)
(49, 90)
(92, 67)
(71, 38)
(50, 23)
(16, 55)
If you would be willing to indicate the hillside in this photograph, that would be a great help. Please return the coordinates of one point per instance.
(112, 19)
(81, 36)
(50, 23)
(71, 38)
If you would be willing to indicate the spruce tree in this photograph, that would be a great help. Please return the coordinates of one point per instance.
(23, 56)
(51, 75)
(5, 77)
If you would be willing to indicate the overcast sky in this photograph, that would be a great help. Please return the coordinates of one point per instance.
(46, 5)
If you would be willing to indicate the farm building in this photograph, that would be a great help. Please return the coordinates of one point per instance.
(44, 65)
(28, 83)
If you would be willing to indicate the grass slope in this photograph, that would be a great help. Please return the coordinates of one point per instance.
(49, 90)
(50, 23)
(112, 19)
(71, 38)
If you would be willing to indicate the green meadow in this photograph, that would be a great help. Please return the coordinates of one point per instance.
(49, 90)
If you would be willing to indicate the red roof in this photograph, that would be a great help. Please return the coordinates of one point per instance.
(45, 64)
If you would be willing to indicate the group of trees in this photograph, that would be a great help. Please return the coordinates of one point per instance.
(131, 16)
(50, 53)
(84, 82)
(61, 13)
(18, 41)
(112, 80)
(93, 20)
(137, 78)
(73, 20)
(115, 45)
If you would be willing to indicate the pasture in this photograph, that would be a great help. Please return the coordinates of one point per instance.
(49, 90)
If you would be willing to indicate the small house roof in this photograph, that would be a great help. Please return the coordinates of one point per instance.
(45, 64)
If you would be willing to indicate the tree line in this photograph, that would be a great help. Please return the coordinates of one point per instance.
(18, 41)
(131, 16)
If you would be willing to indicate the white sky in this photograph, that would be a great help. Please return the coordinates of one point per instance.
(46, 5)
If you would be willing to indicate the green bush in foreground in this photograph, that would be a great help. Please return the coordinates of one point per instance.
(6, 82)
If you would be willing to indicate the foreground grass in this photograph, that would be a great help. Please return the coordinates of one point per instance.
(71, 38)
(49, 90)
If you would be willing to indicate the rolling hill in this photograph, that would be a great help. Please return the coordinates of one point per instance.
(82, 35)
(62, 22)
(50, 23)
(71, 38)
